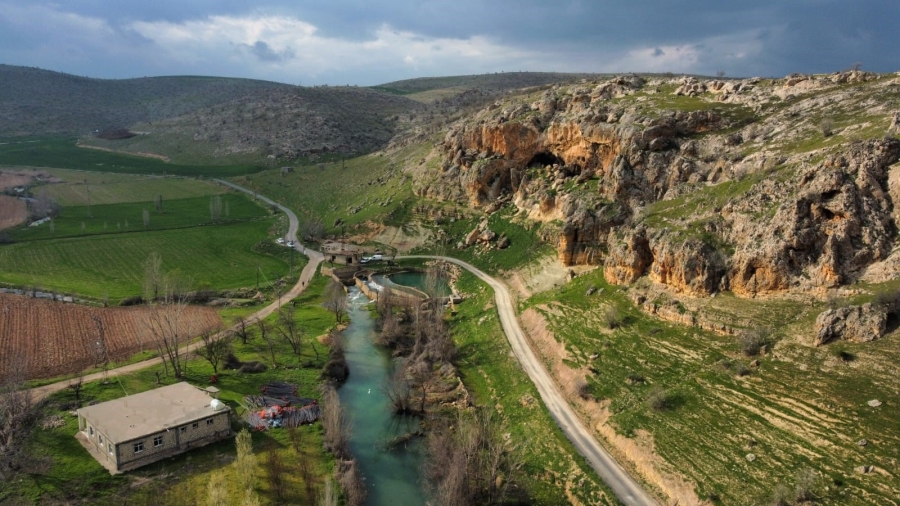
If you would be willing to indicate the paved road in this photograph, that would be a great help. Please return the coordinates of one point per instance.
(315, 258)
(623, 485)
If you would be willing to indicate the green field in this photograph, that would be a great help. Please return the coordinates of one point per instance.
(110, 188)
(61, 152)
(112, 265)
(128, 217)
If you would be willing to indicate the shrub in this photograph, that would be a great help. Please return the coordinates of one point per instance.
(582, 388)
(752, 341)
(253, 367)
(827, 127)
(661, 399)
(807, 482)
(781, 496)
(612, 317)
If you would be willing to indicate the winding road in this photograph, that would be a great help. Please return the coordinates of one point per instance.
(623, 485)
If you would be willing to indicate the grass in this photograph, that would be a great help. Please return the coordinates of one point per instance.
(110, 188)
(360, 191)
(61, 152)
(552, 469)
(74, 473)
(803, 407)
(111, 265)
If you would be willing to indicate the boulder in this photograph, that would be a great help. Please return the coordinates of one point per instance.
(853, 323)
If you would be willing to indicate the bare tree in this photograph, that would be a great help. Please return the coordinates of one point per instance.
(276, 473)
(336, 424)
(242, 329)
(168, 325)
(312, 229)
(146, 216)
(290, 331)
(336, 300)
(18, 414)
(76, 384)
(158, 203)
(214, 350)
(269, 339)
(99, 349)
(153, 276)
(215, 208)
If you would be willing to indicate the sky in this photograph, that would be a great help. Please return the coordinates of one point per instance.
(369, 42)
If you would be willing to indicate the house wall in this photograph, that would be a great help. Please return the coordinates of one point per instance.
(85, 426)
(175, 441)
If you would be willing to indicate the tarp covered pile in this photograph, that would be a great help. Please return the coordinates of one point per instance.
(279, 407)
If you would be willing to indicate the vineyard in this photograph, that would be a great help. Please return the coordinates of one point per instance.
(55, 338)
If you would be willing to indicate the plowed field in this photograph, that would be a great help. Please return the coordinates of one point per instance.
(12, 211)
(55, 338)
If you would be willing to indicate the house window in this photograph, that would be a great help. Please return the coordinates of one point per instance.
(91, 431)
(138, 447)
(184, 429)
(195, 425)
(157, 441)
(101, 440)
(110, 449)
(210, 421)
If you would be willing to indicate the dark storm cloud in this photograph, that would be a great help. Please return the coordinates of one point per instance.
(367, 42)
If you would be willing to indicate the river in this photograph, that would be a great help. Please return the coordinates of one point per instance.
(392, 477)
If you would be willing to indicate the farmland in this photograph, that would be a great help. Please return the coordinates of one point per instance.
(55, 338)
(129, 217)
(61, 152)
(108, 188)
(12, 212)
(111, 265)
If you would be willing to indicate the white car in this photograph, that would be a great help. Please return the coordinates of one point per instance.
(290, 244)
(375, 257)
(279, 240)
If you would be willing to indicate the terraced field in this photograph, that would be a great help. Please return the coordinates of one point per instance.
(693, 397)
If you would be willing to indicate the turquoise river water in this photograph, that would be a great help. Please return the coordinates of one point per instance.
(392, 477)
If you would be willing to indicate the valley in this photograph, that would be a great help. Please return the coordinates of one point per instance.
(704, 268)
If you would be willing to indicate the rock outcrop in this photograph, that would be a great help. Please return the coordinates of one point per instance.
(677, 195)
(854, 323)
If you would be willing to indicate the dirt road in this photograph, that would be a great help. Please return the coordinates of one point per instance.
(315, 258)
(623, 485)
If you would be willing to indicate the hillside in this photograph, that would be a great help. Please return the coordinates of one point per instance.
(39, 102)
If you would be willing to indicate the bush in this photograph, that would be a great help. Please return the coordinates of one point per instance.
(781, 496)
(253, 367)
(752, 341)
(807, 482)
(132, 301)
(612, 317)
(661, 399)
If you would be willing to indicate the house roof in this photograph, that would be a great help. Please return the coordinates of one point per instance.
(149, 412)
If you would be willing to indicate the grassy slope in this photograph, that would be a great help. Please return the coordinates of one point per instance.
(183, 479)
(107, 259)
(552, 471)
(803, 407)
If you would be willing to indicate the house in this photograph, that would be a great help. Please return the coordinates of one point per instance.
(136, 430)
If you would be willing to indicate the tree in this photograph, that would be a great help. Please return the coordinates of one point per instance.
(99, 349)
(312, 229)
(76, 384)
(214, 350)
(289, 330)
(336, 300)
(167, 324)
(215, 208)
(153, 276)
(245, 467)
(146, 216)
(217, 489)
(18, 414)
(242, 329)
(267, 338)
(158, 203)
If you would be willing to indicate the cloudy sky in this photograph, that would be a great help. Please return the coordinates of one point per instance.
(368, 42)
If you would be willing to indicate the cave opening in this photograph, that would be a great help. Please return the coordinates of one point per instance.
(545, 158)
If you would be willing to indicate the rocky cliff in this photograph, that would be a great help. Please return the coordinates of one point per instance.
(754, 186)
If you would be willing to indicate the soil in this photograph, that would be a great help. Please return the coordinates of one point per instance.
(12, 212)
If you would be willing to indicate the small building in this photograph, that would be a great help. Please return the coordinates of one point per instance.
(136, 430)
(341, 253)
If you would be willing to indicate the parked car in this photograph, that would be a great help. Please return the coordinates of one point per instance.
(365, 260)
(290, 244)
(280, 240)
(375, 257)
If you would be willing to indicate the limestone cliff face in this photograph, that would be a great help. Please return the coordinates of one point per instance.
(672, 194)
